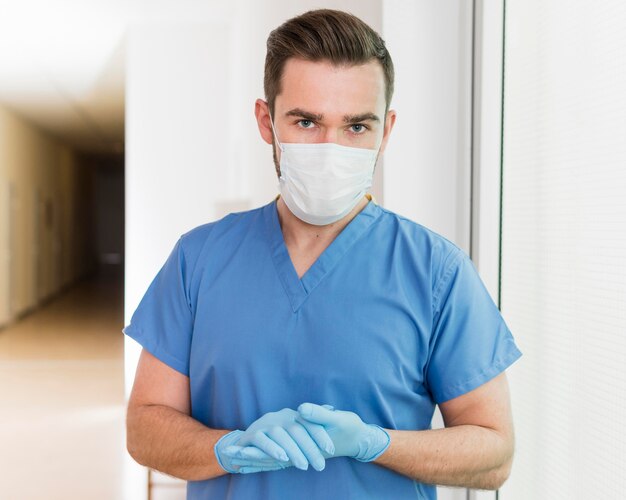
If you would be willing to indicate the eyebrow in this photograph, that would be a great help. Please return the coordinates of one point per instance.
(361, 118)
(307, 115)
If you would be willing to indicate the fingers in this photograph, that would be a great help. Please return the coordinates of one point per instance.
(251, 457)
(291, 445)
(295, 442)
(260, 463)
(307, 445)
(247, 453)
(319, 435)
(269, 446)
(318, 414)
(267, 461)
(253, 469)
(280, 439)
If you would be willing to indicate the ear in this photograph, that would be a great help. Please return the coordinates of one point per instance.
(390, 121)
(262, 113)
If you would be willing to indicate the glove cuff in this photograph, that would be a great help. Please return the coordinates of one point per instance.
(226, 440)
(377, 443)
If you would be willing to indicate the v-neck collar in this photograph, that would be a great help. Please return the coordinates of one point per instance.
(298, 289)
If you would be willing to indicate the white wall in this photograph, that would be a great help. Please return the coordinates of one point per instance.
(175, 111)
(427, 163)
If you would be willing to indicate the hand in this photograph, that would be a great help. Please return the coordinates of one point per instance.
(255, 461)
(351, 436)
(274, 441)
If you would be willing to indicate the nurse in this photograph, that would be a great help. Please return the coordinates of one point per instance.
(298, 350)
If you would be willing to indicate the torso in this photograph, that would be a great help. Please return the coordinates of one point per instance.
(327, 327)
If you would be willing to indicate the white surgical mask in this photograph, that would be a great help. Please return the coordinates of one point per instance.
(322, 182)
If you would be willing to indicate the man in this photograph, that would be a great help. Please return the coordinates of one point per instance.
(321, 329)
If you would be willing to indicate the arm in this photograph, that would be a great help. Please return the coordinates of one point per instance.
(475, 450)
(160, 433)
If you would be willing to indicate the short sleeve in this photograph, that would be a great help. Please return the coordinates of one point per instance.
(163, 320)
(470, 342)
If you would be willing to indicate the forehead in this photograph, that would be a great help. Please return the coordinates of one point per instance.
(325, 88)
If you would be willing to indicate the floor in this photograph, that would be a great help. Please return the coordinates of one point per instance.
(62, 406)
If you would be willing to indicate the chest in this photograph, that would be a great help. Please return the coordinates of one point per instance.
(302, 258)
(356, 335)
(353, 331)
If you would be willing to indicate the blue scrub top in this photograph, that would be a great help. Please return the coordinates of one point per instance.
(391, 319)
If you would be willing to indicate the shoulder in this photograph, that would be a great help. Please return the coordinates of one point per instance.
(217, 235)
(421, 243)
(236, 222)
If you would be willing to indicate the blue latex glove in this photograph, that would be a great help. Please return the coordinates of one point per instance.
(351, 436)
(255, 460)
(274, 441)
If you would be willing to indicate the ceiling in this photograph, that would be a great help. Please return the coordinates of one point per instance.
(62, 67)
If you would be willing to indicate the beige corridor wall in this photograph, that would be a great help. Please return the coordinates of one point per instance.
(50, 213)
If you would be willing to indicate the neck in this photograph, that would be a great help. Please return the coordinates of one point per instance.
(301, 234)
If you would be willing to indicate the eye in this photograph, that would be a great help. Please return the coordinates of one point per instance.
(305, 123)
(358, 128)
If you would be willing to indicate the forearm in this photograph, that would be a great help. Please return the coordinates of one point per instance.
(171, 442)
(465, 455)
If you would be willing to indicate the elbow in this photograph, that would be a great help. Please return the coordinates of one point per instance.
(497, 477)
(133, 445)
(133, 450)
(501, 477)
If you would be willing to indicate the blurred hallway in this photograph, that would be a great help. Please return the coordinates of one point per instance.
(62, 393)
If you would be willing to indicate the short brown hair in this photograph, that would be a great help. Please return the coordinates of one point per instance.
(319, 35)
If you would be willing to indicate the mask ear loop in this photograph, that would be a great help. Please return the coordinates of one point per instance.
(275, 136)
